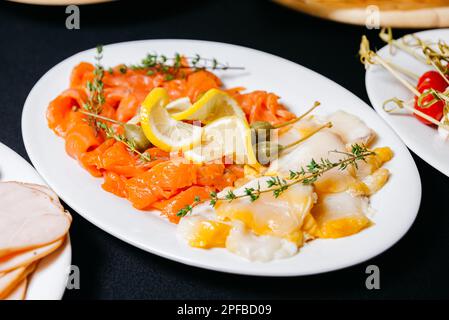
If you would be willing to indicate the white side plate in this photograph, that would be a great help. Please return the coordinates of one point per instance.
(298, 87)
(380, 85)
(49, 280)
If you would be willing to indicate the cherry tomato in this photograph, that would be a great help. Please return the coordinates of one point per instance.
(435, 110)
(433, 80)
(424, 86)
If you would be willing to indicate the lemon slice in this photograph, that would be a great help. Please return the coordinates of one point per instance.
(226, 136)
(179, 105)
(214, 104)
(161, 129)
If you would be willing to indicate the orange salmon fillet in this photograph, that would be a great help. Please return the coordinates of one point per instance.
(161, 183)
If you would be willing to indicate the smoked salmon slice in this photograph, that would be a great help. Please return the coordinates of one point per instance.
(163, 183)
(60, 109)
(170, 207)
(82, 73)
(115, 183)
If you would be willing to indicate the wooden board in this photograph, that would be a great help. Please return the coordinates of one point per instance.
(392, 13)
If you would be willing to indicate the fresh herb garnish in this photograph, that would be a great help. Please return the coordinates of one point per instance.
(187, 209)
(306, 176)
(171, 67)
(112, 134)
(96, 97)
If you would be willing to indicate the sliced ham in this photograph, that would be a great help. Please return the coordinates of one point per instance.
(29, 218)
(19, 292)
(53, 196)
(26, 257)
(10, 280)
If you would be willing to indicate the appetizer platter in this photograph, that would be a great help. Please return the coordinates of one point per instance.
(407, 83)
(221, 157)
(35, 252)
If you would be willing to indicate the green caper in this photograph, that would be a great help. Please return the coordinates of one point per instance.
(135, 135)
(260, 131)
(262, 125)
(267, 151)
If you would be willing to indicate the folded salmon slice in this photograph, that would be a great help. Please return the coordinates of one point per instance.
(171, 207)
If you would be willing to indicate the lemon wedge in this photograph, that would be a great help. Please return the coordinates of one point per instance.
(179, 105)
(226, 136)
(161, 129)
(214, 104)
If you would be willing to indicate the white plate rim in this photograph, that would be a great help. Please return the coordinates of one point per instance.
(404, 151)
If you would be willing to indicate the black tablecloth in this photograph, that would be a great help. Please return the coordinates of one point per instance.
(33, 39)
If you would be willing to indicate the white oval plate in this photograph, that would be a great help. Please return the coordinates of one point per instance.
(49, 280)
(298, 87)
(380, 85)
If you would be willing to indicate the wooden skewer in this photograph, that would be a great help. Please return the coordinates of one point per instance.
(423, 115)
(396, 75)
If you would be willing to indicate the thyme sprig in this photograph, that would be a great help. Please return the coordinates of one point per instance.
(112, 134)
(95, 99)
(170, 66)
(306, 175)
(188, 209)
(196, 62)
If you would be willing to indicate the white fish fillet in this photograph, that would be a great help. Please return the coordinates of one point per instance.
(270, 215)
(335, 206)
(350, 128)
(317, 147)
(265, 248)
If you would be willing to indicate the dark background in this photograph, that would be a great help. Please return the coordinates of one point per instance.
(33, 39)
